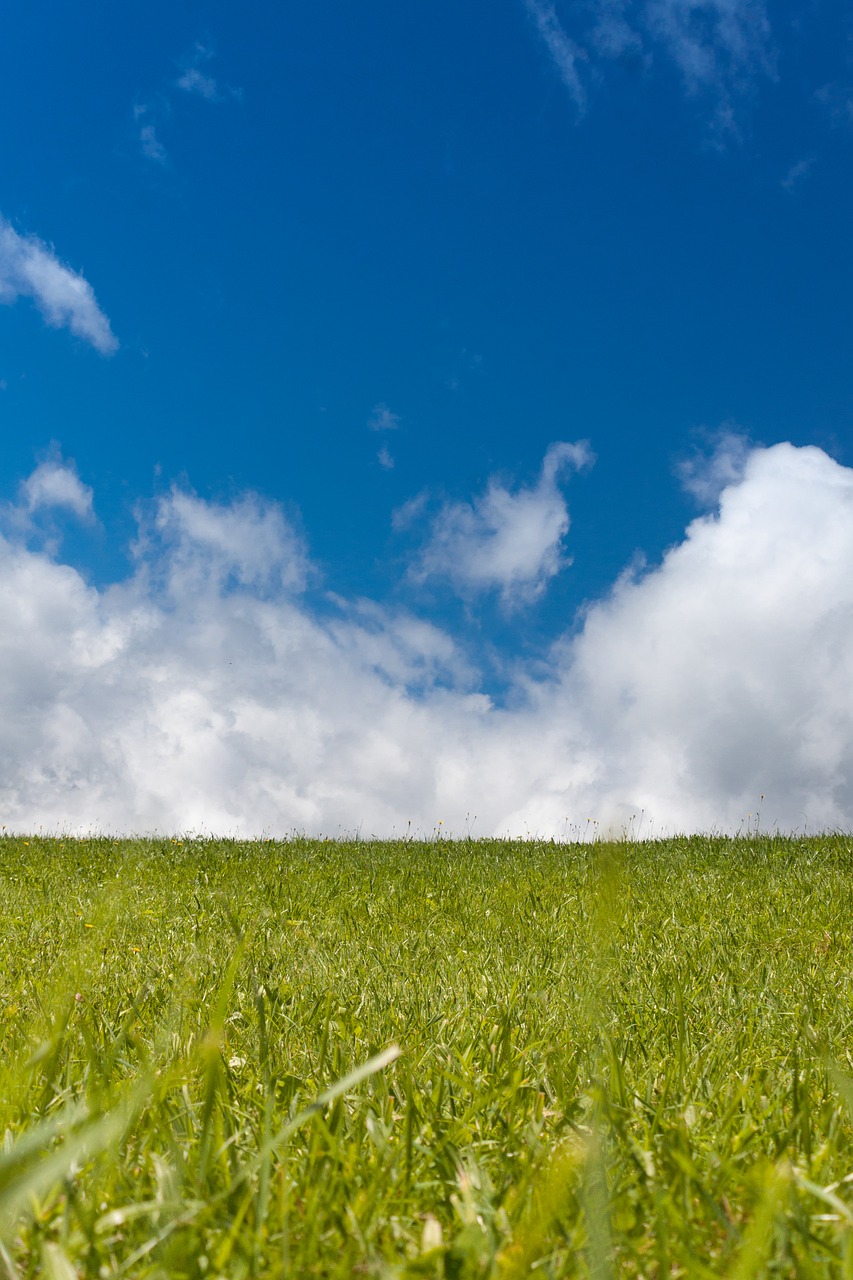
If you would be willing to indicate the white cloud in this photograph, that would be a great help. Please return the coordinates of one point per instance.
(405, 650)
(505, 541)
(706, 474)
(382, 419)
(55, 483)
(385, 459)
(726, 673)
(30, 269)
(53, 488)
(207, 546)
(565, 53)
(205, 693)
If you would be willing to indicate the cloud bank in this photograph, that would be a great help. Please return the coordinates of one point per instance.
(30, 269)
(207, 693)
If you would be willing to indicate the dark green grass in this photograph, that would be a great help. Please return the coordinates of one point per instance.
(614, 1060)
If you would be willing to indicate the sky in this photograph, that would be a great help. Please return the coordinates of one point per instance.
(426, 418)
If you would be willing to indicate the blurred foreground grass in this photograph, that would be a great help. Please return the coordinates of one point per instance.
(614, 1060)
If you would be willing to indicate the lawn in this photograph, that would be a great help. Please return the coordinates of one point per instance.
(443, 1059)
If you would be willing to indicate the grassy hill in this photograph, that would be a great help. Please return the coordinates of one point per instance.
(460, 1059)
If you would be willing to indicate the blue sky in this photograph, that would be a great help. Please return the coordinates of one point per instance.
(466, 312)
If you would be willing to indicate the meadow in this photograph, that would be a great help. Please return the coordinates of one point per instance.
(426, 1059)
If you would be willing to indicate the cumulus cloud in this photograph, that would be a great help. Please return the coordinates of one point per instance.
(193, 695)
(207, 693)
(30, 269)
(206, 545)
(55, 483)
(505, 541)
(725, 674)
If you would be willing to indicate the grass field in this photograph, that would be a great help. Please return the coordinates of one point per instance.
(475, 1059)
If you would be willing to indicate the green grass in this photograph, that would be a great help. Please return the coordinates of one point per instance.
(614, 1060)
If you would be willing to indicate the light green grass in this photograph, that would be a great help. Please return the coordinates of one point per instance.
(614, 1060)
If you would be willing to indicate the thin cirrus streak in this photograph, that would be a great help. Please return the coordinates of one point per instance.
(720, 47)
(206, 693)
(565, 53)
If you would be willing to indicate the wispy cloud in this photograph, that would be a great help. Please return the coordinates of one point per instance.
(837, 99)
(150, 145)
(797, 173)
(717, 464)
(30, 269)
(504, 540)
(565, 53)
(716, 44)
(382, 419)
(720, 47)
(206, 693)
(45, 499)
(611, 33)
(193, 81)
(196, 79)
